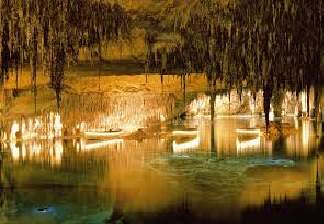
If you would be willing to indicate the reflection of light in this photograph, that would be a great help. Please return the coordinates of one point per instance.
(80, 128)
(304, 101)
(57, 126)
(102, 144)
(220, 116)
(253, 122)
(23, 128)
(185, 146)
(296, 123)
(296, 113)
(36, 125)
(4, 137)
(14, 130)
(271, 114)
(305, 133)
(36, 150)
(57, 152)
(15, 151)
(248, 144)
(248, 131)
(162, 118)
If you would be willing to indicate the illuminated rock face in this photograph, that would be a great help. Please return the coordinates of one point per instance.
(125, 111)
(289, 104)
(225, 104)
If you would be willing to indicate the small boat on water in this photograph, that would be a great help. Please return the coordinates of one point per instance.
(110, 133)
(245, 145)
(185, 132)
(101, 144)
(184, 146)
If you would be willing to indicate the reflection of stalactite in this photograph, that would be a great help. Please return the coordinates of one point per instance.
(307, 100)
(184, 90)
(212, 105)
(58, 75)
(267, 94)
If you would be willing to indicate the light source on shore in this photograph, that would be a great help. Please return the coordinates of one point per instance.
(200, 105)
(42, 127)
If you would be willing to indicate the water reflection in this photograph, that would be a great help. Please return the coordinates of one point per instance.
(182, 171)
(232, 136)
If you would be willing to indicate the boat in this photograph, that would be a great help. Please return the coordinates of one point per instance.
(255, 131)
(101, 144)
(110, 133)
(184, 146)
(185, 132)
(245, 142)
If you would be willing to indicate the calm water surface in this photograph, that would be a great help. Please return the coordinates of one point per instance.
(162, 178)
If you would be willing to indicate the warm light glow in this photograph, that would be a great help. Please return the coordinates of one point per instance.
(305, 139)
(57, 125)
(304, 101)
(37, 128)
(271, 114)
(14, 129)
(38, 150)
(15, 151)
(57, 152)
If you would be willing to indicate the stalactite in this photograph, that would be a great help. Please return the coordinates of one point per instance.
(5, 52)
(33, 57)
(255, 42)
(49, 21)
